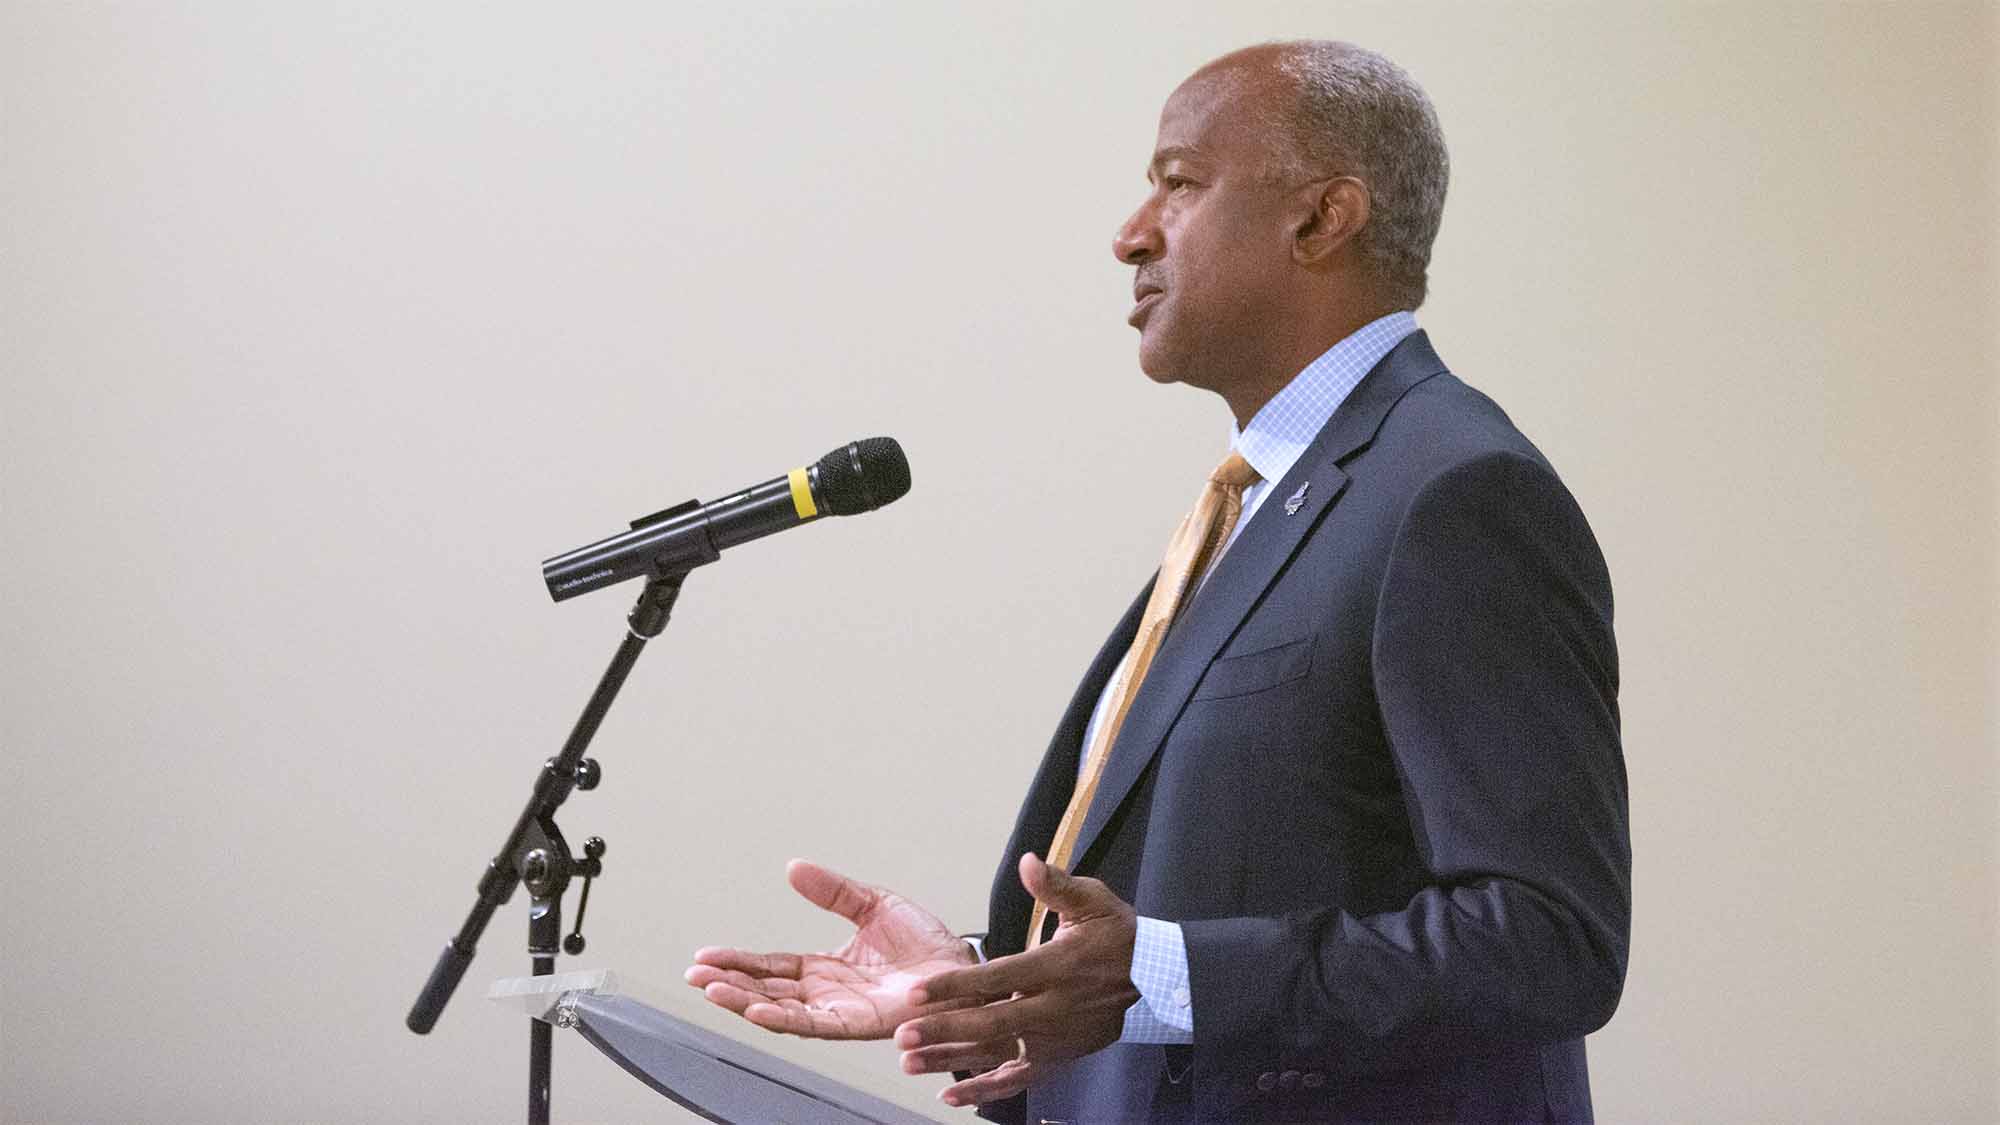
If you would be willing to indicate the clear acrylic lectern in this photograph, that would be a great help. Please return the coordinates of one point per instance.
(708, 1073)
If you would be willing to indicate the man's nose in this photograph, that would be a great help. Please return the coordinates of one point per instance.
(1139, 239)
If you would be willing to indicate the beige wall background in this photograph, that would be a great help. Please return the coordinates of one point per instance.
(320, 326)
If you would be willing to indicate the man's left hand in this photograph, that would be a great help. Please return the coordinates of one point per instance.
(1059, 1001)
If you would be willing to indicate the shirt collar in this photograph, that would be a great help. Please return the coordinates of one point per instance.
(1278, 435)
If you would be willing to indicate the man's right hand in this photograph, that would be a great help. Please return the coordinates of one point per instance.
(859, 991)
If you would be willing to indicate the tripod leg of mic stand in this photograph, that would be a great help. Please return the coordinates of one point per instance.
(544, 938)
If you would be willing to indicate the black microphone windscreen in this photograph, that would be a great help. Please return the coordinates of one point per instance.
(861, 476)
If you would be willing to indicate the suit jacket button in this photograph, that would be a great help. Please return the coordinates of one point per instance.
(1288, 1080)
(1267, 1081)
(1313, 1080)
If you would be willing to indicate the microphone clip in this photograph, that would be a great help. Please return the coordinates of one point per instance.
(655, 605)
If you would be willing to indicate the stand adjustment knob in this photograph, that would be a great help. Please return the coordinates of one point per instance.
(593, 852)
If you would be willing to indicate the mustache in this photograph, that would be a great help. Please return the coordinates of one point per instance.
(1144, 278)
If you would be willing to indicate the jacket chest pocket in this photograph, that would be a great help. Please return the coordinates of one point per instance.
(1250, 672)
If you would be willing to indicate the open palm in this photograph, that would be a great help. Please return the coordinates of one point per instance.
(858, 991)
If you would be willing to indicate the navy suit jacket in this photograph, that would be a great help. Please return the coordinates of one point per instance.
(1375, 774)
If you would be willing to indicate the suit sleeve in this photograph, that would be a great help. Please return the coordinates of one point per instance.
(1496, 678)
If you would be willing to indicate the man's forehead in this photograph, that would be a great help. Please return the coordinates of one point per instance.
(1204, 112)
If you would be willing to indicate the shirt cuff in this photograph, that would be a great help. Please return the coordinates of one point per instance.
(1164, 1012)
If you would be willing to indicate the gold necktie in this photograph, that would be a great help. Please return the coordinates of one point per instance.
(1198, 540)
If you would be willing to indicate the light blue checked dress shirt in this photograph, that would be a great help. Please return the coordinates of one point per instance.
(1273, 442)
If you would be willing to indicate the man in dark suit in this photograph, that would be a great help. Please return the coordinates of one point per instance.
(1351, 842)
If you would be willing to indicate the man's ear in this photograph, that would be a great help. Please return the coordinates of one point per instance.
(1339, 210)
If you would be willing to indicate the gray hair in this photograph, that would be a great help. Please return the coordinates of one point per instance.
(1358, 114)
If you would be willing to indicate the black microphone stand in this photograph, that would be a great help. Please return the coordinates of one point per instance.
(536, 856)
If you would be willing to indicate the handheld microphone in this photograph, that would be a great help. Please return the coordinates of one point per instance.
(860, 476)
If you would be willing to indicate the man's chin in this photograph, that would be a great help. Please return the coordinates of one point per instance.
(1158, 368)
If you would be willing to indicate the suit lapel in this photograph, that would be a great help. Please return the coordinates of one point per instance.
(1055, 781)
(1247, 569)
(1064, 759)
